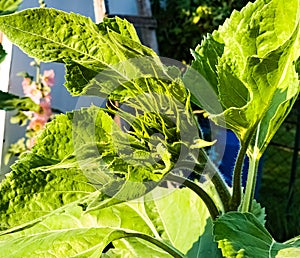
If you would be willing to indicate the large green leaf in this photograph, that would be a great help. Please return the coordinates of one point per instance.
(72, 232)
(73, 39)
(106, 60)
(9, 6)
(75, 230)
(249, 63)
(29, 192)
(242, 235)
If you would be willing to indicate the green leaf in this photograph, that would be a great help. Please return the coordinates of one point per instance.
(205, 246)
(33, 190)
(10, 102)
(120, 26)
(242, 235)
(59, 36)
(107, 60)
(258, 212)
(166, 218)
(75, 40)
(9, 6)
(70, 231)
(249, 63)
(2, 53)
(74, 230)
(79, 78)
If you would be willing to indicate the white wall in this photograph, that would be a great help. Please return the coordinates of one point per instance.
(4, 82)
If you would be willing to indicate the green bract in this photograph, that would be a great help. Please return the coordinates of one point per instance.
(94, 187)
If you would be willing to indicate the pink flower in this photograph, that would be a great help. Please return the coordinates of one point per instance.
(47, 111)
(39, 120)
(37, 123)
(26, 82)
(47, 97)
(32, 91)
(48, 78)
(30, 142)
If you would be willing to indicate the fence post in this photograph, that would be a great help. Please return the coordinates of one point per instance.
(148, 35)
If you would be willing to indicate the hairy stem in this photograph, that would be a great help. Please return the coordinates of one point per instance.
(169, 249)
(215, 178)
(237, 179)
(211, 206)
(251, 182)
(219, 184)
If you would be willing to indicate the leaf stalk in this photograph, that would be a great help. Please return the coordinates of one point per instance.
(251, 182)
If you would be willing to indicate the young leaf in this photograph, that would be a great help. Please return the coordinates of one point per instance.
(120, 26)
(251, 69)
(242, 235)
(80, 78)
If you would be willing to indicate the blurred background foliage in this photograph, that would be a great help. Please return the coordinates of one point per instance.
(182, 24)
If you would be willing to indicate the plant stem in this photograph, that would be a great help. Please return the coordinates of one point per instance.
(251, 182)
(219, 184)
(38, 72)
(169, 249)
(215, 177)
(212, 208)
(237, 179)
(254, 157)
